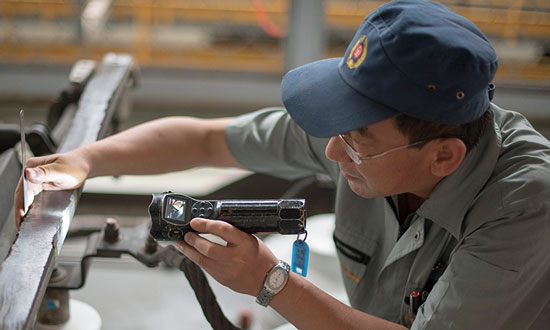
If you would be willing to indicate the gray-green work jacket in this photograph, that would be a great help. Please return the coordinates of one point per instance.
(485, 228)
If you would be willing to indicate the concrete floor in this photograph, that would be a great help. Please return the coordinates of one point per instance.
(130, 296)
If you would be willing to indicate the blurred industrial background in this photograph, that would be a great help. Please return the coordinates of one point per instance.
(212, 58)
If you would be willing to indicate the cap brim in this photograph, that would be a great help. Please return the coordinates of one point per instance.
(324, 105)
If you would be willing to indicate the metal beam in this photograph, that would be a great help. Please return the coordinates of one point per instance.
(306, 38)
(10, 170)
(25, 273)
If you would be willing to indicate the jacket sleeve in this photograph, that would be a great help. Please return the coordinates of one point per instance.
(269, 141)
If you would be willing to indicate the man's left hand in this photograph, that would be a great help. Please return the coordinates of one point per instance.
(241, 265)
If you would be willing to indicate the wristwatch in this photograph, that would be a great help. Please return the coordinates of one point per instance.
(274, 282)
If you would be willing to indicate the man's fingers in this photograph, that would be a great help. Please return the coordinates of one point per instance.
(33, 189)
(51, 178)
(19, 214)
(41, 174)
(226, 231)
(205, 247)
(53, 172)
(36, 175)
(19, 199)
(18, 203)
(194, 255)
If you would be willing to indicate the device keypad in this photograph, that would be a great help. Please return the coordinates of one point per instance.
(202, 209)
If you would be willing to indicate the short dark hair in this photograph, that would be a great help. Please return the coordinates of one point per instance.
(420, 130)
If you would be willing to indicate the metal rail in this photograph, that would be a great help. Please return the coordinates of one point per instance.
(25, 273)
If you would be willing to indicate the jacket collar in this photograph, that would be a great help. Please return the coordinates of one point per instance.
(452, 197)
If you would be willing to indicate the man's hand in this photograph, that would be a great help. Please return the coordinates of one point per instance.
(241, 265)
(53, 172)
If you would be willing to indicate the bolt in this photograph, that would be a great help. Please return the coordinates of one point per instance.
(112, 231)
(58, 274)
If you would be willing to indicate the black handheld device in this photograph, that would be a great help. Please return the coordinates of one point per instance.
(171, 214)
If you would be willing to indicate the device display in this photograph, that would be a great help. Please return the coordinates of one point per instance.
(174, 208)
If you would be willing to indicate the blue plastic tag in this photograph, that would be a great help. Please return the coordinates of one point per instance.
(300, 257)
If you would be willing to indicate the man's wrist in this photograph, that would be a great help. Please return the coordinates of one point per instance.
(86, 160)
(275, 281)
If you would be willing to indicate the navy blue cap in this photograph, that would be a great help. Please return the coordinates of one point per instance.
(412, 57)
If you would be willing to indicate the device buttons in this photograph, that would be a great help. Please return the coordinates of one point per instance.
(202, 209)
(175, 234)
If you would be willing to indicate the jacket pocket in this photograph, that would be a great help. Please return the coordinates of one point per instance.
(354, 253)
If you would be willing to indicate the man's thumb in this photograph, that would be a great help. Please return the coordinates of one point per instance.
(37, 174)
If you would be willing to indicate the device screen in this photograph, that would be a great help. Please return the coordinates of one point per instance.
(175, 208)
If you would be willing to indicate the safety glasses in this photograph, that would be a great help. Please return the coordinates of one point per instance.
(357, 158)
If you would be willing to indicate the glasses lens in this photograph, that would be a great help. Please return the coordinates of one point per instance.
(349, 150)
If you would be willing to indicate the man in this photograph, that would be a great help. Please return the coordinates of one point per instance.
(443, 199)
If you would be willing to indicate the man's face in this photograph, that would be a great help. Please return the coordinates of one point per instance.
(399, 171)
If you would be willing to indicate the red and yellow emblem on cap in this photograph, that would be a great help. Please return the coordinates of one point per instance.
(358, 53)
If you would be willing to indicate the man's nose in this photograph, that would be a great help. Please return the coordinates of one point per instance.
(335, 151)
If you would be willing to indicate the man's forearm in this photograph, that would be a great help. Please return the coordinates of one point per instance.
(159, 146)
(308, 307)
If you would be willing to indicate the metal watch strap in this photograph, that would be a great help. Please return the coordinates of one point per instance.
(265, 295)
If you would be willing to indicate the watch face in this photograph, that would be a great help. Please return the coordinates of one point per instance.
(276, 279)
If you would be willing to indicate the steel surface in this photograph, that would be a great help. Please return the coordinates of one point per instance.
(25, 273)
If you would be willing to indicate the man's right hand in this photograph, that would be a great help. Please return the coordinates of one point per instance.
(144, 149)
(53, 172)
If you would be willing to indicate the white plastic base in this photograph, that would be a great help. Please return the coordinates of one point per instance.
(83, 317)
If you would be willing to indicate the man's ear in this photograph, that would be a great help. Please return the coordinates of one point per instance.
(448, 155)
